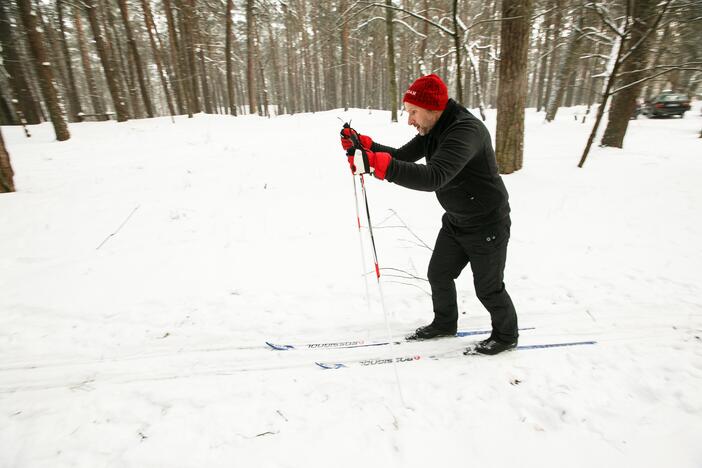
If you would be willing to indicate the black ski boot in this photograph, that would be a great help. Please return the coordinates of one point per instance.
(430, 331)
(491, 346)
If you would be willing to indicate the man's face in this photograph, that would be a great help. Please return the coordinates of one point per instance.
(421, 119)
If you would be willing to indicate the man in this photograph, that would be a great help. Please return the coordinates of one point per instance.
(461, 169)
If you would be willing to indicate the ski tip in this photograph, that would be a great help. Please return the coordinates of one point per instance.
(280, 347)
(330, 365)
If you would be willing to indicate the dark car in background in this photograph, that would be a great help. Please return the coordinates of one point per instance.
(666, 104)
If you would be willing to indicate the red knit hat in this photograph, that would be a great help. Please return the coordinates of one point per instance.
(427, 92)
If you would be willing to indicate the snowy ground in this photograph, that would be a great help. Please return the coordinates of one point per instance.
(146, 348)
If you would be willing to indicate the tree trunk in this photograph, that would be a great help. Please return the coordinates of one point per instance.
(292, 91)
(134, 48)
(229, 33)
(187, 19)
(12, 61)
(262, 77)
(250, 57)
(422, 62)
(7, 175)
(206, 91)
(44, 69)
(317, 88)
(566, 71)
(123, 62)
(176, 56)
(391, 60)
(624, 102)
(7, 113)
(615, 61)
(477, 81)
(543, 67)
(512, 91)
(107, 63)
(307, 80)
(53, 55)
(156, 52)
(95, 97)
(276, 72)
(72, 89)
(494, 34)
(457, 51)
(554, 58)
(345, 68)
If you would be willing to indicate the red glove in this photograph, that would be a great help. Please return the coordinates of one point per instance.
(379, 162)
(347, 142)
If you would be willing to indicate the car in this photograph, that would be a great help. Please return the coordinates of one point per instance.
(637, 109)
(666, 104)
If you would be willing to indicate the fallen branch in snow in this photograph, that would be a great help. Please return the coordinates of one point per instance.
(119, 228)
(407, 274)
(394, 213)
(410, 284)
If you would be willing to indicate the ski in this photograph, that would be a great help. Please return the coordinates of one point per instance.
(363, 343)
(437, 356)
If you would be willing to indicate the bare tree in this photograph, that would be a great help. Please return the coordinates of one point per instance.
(622, 32)
(43, 68)
(644, 19)
(512, 91)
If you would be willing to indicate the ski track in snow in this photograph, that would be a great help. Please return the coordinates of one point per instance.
(217, 234)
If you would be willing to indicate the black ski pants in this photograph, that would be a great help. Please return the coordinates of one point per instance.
(486, 251)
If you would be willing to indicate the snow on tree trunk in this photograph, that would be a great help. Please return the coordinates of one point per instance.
(624, 102)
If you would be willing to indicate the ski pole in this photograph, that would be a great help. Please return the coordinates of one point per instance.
(388, 329)
(360, 243)
(361, 162)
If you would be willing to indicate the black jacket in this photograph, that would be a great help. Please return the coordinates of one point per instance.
(460, 167)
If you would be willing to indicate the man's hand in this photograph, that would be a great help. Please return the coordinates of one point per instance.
(378, 162)
(348, 135)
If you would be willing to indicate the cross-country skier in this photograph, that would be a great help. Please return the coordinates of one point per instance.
(461, 169)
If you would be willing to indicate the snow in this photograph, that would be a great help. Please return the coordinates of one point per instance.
(143, 265)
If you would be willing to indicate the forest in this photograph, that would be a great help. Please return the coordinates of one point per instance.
(78, 60)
